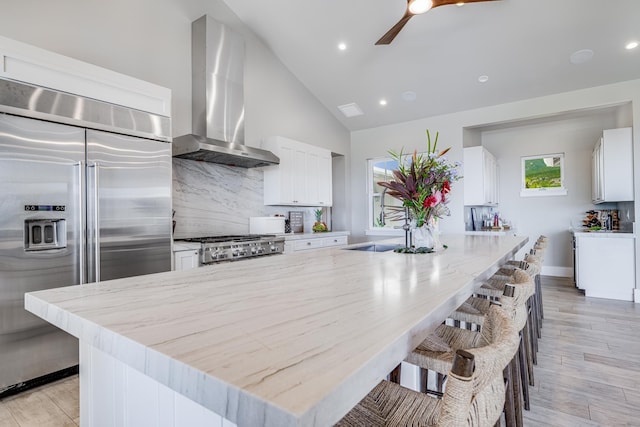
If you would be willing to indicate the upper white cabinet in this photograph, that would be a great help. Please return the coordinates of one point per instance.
(480, 172)
(30, 64)
(612, 167)
(303, 177)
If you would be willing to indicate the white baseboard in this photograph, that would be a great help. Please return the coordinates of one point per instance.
(557, 271)
(636, 295)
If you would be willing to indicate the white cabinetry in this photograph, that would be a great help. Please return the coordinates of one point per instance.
(480, 173)
(185, 260)
(612, 167)
(303, 177)
(314, 242)
(30, 64)
(605, 265)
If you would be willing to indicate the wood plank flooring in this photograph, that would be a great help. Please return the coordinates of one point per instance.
(52, 405)
(588, 371)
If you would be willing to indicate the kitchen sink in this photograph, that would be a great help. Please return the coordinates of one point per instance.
(375, 248)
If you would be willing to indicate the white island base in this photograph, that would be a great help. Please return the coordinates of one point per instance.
(112, 393)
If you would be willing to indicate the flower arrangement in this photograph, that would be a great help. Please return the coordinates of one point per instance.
(424, 184)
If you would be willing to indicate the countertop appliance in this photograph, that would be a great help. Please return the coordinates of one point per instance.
(214, 249)
(79, 205)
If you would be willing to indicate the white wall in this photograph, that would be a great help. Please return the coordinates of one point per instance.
(548, 215)
(151, 40)
(454, 129)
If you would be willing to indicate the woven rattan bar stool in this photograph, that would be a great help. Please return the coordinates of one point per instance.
(474, 394)
(473, 312)
(538, 250)
(536, 300)
(494, 287)
(436, 353)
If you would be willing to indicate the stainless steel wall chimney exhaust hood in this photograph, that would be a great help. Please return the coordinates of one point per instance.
(217, 73)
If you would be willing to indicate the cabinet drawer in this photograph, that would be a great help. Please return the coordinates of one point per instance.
(304, 244)
(334, 241)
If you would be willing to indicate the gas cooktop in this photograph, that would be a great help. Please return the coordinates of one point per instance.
(215, 249)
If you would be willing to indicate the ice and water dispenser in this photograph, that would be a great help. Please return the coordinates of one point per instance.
(45, 233)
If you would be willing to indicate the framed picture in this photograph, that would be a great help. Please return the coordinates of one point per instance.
(543, 175)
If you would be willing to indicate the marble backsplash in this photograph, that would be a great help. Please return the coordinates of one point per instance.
(211, 199)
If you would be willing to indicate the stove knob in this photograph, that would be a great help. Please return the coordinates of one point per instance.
(254, 250)
(261, 250)
(274, 248)
(235, 253)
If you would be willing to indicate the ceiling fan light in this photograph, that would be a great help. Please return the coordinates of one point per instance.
(417, 7)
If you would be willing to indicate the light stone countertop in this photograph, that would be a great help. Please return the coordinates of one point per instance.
(292, 340)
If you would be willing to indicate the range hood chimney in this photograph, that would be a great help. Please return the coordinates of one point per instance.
(217, 73)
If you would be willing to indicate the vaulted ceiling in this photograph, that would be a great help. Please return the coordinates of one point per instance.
(523, 47)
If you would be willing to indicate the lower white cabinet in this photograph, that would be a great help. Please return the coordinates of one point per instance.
(185, 260)
(318, 242)
(605, 265)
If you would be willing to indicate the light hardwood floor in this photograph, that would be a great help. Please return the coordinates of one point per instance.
(51, 405)
(588, 371)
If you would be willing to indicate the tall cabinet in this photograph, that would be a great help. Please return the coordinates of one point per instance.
(480, 177)
(612, 167)
(303, 177)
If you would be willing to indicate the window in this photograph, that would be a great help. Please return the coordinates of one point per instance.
(543, 175)
(381, 212)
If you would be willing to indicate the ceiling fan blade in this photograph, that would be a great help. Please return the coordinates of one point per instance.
(393, 32)
(437, 3)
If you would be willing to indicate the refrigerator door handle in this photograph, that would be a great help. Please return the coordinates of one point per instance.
(94, 229)
(81, 240)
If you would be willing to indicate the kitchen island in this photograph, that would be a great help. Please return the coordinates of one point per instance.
(292, 340)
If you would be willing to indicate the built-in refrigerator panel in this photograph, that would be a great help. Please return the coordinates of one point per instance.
(129, 230)
(41, 223)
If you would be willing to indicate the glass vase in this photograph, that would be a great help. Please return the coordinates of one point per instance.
(427, 236)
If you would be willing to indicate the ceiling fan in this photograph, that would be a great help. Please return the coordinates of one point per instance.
(417, 7)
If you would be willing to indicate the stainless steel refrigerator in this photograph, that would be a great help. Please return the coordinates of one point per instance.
(81, 200)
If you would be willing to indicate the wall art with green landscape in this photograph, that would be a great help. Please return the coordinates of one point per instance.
(542, 173)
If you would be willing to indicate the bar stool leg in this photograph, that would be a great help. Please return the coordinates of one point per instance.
(394, 376)
(517, 389)
(524, 371)
(510, 395)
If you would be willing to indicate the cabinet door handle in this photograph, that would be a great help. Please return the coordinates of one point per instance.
(308, 243)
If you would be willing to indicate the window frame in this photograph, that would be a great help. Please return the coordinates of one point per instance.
(371, 196)
(542, 191)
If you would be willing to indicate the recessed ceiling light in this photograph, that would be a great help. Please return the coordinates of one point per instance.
(581, 56)
(631, 45)
(483, 79)
(350, 110)
(342, 46)
(460, 3)
(409, 96)
(383, 102)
